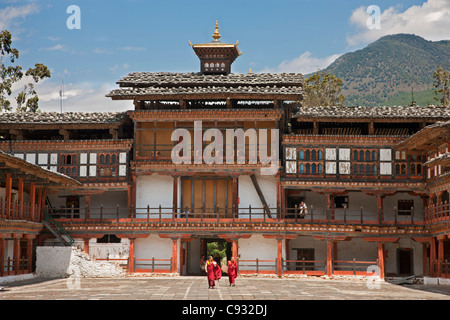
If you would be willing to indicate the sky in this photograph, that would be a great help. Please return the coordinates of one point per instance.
(117, 37)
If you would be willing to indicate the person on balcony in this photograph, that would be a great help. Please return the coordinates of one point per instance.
(303, 209)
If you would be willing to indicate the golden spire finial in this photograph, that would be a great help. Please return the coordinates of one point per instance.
(216, 34)
(250, 70)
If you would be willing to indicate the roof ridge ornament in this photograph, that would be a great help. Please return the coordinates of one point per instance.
(216, 34)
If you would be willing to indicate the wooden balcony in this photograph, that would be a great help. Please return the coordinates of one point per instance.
(159, 219)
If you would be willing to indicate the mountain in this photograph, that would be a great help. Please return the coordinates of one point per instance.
(389, 69)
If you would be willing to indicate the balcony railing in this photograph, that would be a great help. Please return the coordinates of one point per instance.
(160, 214)
(14, 211)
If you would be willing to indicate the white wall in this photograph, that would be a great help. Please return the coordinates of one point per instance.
(153, 246)
(249, 196)
(154, 190)
(258, 247)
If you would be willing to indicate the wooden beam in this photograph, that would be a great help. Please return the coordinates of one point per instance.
(260, 194)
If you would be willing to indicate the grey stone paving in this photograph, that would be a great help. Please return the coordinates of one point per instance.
(196, 288)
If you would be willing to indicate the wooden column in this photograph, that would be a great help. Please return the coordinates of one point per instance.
(16, 253)
(33, 200)
(20, 198)
(174, 254)
(175, 194)
(279, 256)
(279, 193)
(381, 259)
(329, 258)
(432, 256)
(86, 245)
(87, 200)
(8, 195)
(131, 265)
(380, 208)
(235, 196)
(234, 249)
(42, 205)
(29, 253)
(39, 203)
(440, 255)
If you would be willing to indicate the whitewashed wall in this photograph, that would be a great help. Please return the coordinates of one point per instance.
(416, 251)
(249, 196)
(154, 190)
(258, 247)
(157, 247)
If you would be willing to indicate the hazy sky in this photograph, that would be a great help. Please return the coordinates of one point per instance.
(122, 36)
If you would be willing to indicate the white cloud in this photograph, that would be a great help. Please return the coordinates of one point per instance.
(57, 47)
(429, 20)
(304, 63)
(12, 16)
(85, 97)
(134, 49)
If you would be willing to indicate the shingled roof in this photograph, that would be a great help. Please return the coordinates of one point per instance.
(167, 79)
(163, 85)
(61, 118)
(381, 112)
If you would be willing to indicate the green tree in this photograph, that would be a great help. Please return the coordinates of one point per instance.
(323, 90)
(10, 73)
(441, 86)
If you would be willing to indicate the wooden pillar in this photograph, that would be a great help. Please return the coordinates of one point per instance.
(87, 200)
(329, 258)
(279, 199)
(29, 253)
(234, 249)
(42, 205)
(39, 203)
(131, 256)
(330, 206)
(86, 245)
(381, 259)
(8, 195)
(175, 194)
(235, 195)
(432, 256)
(16, 253)
(380, 208)
(279, 256)
(174, 254)
(32, 200)
(20, 198)
(440, 255)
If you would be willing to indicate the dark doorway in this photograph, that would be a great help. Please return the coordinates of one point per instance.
(308, 255)
(405, 262)
(292, 203)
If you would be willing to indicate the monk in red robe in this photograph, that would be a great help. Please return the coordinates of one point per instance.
(217, 271)
(232, 271)
(209, 268)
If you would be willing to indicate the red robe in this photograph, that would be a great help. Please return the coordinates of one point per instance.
(217, 272)
(210, 273)
(232, 271)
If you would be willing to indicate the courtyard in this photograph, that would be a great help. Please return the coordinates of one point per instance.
(195, 288)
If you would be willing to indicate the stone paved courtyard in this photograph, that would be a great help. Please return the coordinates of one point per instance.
(195, 288)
